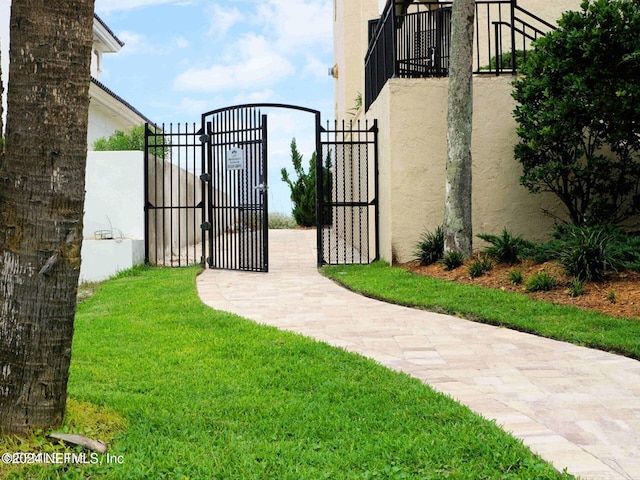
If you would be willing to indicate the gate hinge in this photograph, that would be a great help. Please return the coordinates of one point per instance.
(205, 226)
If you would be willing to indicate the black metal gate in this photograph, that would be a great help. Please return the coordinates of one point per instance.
(347, 193)
(206, 191)
(175, 198)
(236, 144)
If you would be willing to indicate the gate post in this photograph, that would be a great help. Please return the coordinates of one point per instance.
(319, 190)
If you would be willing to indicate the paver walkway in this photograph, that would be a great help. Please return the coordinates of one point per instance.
(576, 407)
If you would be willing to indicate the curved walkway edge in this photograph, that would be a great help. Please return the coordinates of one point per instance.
(576, 407)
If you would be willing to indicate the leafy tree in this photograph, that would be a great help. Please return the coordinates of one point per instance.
(578, 112)
(458, 232)
(42, 172)
(303, 189)
(133, 140)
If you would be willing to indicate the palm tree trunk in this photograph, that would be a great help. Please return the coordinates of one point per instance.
(457, 221)
(41, 206)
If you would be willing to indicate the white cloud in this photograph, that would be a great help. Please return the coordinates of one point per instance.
(191, 106)
(182, 42)
(261, 96)
(258, 67)
(298, 25)
(222, 19)
(133, 42)
(315, 68)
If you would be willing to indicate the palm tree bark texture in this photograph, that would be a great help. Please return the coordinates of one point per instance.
(42, 172)
(457, 221)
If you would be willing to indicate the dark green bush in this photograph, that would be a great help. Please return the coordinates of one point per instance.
(515, 276)
(506, 248)
(480, 266)
(585, 253)
(577, 112)
(430, 248)
(303, 189)
(541, 282)
(453, 260)
(588, 253)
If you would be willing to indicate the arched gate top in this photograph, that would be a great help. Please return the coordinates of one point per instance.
(263, 105)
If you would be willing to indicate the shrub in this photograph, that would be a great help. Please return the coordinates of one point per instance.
(480, 266)
(430, 248)
(577, 111)
(505, 248)
(505, 61)
(452, 260)
(134, 140)
(576, 287)
(303, 189)
(584, 253)
(515, 276)
(279, 221)
(625, 249)
(540, 282)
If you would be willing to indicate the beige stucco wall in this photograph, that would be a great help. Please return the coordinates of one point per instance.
(549, 11)
(350, 39)
(412, 145)
(411, 116)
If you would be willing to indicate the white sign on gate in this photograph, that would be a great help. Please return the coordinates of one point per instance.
(235, 159)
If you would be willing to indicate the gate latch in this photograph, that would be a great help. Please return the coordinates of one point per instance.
(205, 177)
(261, 187)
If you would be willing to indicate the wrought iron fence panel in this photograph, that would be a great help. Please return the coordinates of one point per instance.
(174, 195)
(347, 193)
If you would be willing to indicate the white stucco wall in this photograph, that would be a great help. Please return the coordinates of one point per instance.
(114, 203)
(101, 259)
(115, 193)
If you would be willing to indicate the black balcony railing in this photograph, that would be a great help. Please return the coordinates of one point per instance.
(411, 40)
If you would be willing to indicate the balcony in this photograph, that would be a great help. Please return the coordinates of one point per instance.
(412, 40)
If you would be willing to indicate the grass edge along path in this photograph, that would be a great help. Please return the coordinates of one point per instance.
(517, 311)
(205, 394)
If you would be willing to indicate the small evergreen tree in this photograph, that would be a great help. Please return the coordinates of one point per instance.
(303, 189)
(579, 113)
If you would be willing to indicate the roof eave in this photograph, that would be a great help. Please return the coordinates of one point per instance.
(103, 34)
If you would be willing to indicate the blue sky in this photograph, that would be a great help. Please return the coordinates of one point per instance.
(184, 57)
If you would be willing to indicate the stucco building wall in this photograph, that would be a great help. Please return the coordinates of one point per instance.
(350, 38)
(411, 116)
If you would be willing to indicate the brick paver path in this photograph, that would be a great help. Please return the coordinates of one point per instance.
(576, 407)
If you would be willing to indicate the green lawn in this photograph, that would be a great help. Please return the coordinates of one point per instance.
(496, 307)
(202, 394)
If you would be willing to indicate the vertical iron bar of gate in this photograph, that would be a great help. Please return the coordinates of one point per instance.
(264, 194)
(319, 191)
(146, 193)
(178, 151)
(210, 199)
(376, 189)
(206, 194)
(247, 126)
